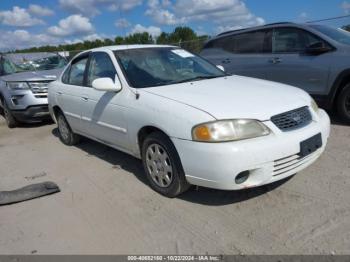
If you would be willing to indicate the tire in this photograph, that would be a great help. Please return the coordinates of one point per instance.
(343, 104)
(10, 119)
(163, 166)
(66, 134)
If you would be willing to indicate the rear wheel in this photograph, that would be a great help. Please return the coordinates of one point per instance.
(343, 104)
(163, 166)
(10, 119)
(66, 134)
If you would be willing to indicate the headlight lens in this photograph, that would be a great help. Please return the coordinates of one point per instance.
(229, 130)
(18, 85)
(314, 105)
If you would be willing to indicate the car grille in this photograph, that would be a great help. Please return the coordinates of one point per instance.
(39, 89)
(292, 120)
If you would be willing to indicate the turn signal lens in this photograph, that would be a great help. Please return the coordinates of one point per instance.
(202, 133)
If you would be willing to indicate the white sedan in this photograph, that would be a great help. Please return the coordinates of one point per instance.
(187, 120)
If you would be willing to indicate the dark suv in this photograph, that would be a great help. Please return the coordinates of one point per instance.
(313, 57)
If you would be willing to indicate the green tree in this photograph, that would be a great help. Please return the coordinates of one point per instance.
(182, 36)
(139, 38)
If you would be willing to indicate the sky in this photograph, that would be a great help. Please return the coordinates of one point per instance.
(27, 23)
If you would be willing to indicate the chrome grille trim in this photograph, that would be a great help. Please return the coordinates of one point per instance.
(289, 163)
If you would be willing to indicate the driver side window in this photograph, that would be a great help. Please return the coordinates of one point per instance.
(293, 40)
(100, 66)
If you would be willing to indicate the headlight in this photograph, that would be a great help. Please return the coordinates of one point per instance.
(229, 130)
(18, 85)
(314, 105)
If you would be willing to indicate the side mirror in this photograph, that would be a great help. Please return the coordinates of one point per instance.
(107, 84)
(221, 67)
(317, 49)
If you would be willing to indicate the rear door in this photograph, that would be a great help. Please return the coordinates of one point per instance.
(68, 95)
(242, 54)
(290, 64)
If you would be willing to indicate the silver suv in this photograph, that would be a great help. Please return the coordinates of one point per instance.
(23, 85)
(313, 57)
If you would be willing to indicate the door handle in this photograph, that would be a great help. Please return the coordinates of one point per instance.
(59, 93)
(226, 61)
(84, 98)
(275, 60)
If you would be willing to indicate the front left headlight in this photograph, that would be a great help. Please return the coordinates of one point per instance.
(18, 85)
(229, 130)
(314, 105)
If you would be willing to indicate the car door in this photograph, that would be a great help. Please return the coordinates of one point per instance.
(290, 64)
(68, 95)
(242, 54)
(103, 113)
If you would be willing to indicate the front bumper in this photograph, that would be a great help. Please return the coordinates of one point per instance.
(27, 106)
(268, 159)
(32, 114)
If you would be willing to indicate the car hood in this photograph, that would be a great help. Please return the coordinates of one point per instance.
(34, 75)
(236, 97)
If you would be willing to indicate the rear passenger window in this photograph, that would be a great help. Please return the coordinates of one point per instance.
(76, 75)
(65, 76)
(252, 43)
(246, 43)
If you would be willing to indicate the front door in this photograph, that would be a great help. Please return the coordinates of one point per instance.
(103, 115)
(290, 64)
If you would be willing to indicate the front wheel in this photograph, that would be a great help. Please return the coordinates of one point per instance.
(163, 166)
(65, 132)
(343, 104)
(10, 119)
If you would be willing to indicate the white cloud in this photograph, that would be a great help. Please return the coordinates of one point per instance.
(346, 7)
(122, 23)
(18, 17)
(152, 30)
(72, 25)
(91, 37)
(19, 39)
(40, 10)
(223, 13)
(303, 17)
(92, 7)
(164, 17)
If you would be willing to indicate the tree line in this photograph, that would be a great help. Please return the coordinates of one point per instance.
(182, 36)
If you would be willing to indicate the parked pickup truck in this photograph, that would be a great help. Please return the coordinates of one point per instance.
(23, 85)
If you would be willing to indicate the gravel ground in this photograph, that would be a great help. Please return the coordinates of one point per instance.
(106, 207)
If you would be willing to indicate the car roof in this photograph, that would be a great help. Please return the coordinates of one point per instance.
(267, 26)
(126, 47)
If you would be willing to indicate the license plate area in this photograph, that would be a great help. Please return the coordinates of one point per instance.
(310, 145)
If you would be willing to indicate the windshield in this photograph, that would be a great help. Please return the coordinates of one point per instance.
(336, 34)
(16, 63)
(149, 67)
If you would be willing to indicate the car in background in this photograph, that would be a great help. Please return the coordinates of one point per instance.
(23, 85)
(313, 57)
(187, 120)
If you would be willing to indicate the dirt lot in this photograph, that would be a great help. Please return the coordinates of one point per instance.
(106, 207)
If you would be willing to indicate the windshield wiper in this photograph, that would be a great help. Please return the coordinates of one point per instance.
(196, 79)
